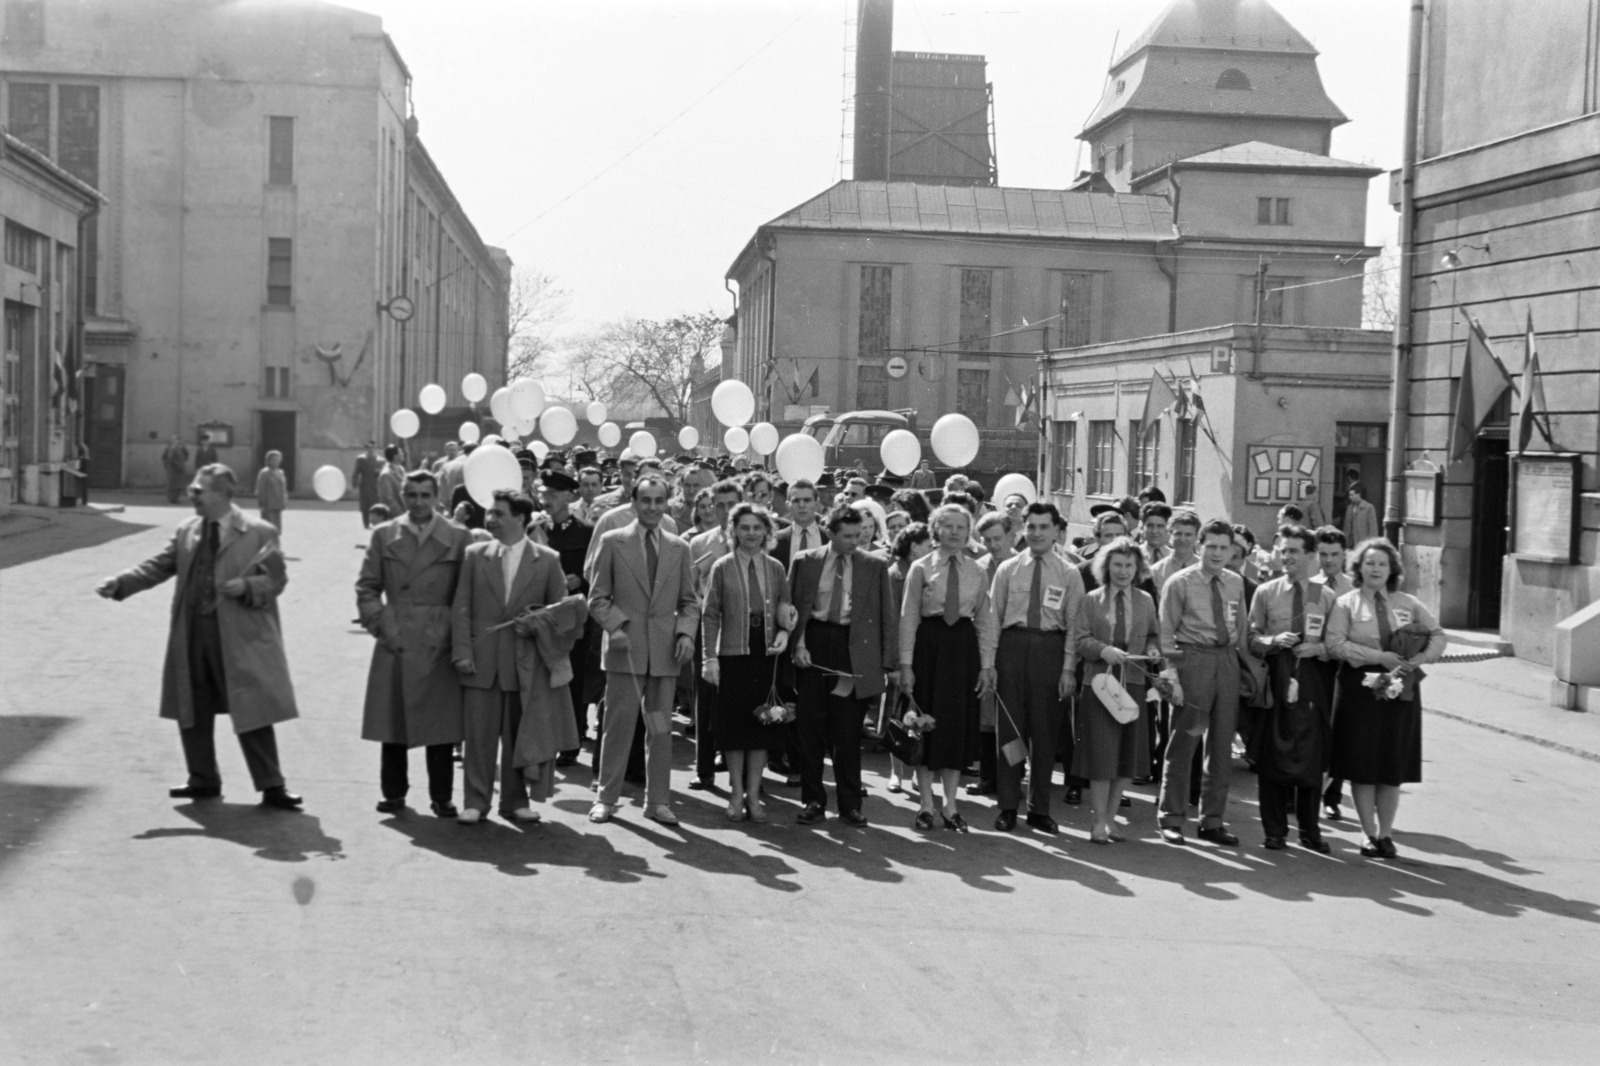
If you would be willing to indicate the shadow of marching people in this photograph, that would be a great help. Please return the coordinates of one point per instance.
(271, 835)
(518, 850)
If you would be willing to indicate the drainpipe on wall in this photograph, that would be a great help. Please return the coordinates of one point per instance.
(80, 309)
(1171, 255)
(1400, 370)
(768, 246)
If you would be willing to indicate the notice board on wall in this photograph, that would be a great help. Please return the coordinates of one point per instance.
(1544, 507)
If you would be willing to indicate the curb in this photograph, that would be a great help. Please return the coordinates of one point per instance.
(1553, 745)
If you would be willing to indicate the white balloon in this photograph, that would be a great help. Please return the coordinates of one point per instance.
(527, 398)
(488, 470)
(610, 435)
(405, 423)
(642, 444)
(508, 433)
(596, 413)
(733, 403)
(736, 440)
(955, 440)
(688, 438)
(799, 455)
(539, 449)
(490, 439)
(1015, 485)
(901, 451)
(432, 399)
(558, 425)
(764, 438)
(474, 387)
(328, 483)
(500, 405)
(626, 456)
(470, 432)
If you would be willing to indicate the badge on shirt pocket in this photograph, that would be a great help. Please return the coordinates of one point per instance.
(1401, 615)
(1314, 623)
(1231, 609)
(1054, 596)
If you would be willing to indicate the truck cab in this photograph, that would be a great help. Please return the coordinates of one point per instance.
(855, 435)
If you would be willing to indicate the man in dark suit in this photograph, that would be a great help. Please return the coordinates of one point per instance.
(804, 531)
(570, 536)
(845, 639)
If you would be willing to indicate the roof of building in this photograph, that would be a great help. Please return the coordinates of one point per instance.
(13, 145)
(1258, 155)
(905, 207)
(1233, 25)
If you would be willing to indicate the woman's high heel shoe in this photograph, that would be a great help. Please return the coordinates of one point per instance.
(736, 809)
(955, 822)
(758, 810)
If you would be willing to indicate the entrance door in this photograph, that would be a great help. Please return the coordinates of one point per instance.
(277, 432)
(1491, 485)
(102, 398)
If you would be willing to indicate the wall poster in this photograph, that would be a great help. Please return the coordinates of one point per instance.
(1544, 507)
(1282, 473)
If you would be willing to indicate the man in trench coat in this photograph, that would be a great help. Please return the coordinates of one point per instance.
(225, 647)
(403, 598)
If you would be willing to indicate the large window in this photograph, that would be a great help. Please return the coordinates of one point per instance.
(280, 271)
(1184, 484)
(1077, 327)
(1102, 457)
(28, 114)
(972, 394)
(873, 329)
(1063, 456)
(1373, 436)
(977, 289)
(1143, 456)
(22, 248)
(872, 387)
(280, 150)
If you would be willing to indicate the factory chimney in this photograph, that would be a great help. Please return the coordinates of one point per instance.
(874, 64)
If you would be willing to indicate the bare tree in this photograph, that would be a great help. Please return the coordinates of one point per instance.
(535, 306)
(645, 363)
(1380, 291)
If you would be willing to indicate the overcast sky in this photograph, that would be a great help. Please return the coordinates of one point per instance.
(631, 147)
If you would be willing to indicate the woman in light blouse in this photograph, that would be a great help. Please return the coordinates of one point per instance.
(1377, 742)
(743, 632)
(910, 544)
(947, 643)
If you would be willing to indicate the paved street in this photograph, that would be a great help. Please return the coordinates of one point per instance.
(138, 929)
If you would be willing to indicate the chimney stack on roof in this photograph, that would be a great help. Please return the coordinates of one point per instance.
(874, 66)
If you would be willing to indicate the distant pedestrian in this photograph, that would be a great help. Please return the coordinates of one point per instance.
(272, 490)
(364, 479)
(207, 455)
(923, 477)
(1360, 517)
(175, 461)
(392, 480)
(225, 650)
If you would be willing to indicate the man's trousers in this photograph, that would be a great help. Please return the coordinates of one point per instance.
(1210, 679)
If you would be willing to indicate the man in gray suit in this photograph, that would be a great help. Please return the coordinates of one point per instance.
(641, 591)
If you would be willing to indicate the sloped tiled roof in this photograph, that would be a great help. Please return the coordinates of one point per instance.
(1235, 25)
(1258, 155)
(904, 207)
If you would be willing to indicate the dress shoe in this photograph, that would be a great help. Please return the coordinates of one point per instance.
(470, 816)
(954, 822)
(1218, 834)
(444, 810)
(601, 812)
(389, 806)
(523, 816)
(924, 820)
(1005, 821)
(194, 792)
(661, 813)
(811, 814)
(855, 818)
(1315, 843)
(1331, 812)
(736, 808)
(1386, 848)
(1173, 834)
(566, 758)
(700, 784)
(1125, 802)
(1274, 843)
(1370, 849)
(1074, 797)
(281, 798)
(982, 788)
(1044, 823)
(758, 810)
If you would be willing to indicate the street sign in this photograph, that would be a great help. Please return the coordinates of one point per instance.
(896, 367)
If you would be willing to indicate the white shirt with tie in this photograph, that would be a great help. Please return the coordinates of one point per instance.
(510, 559)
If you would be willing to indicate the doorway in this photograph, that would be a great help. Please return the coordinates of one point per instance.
(277, 432)
(102, 398)
(1491, 484)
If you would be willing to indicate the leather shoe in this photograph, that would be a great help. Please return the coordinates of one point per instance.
(444, 810)
(1314, 843)
(601, 812)
(811, 814)
(855, 818)
(390, 806)
(1125, 802)
(523, 816)
(1274, 843)
(982, 788)
(1386, 848)
(661, 813)
(194, 792)
(700, 784)
(1044, 823)
(1005, 821)
(566, 758)
(1074, 797)
(470, 816)
(1218, 835)
(281, 798)
(1173, 834)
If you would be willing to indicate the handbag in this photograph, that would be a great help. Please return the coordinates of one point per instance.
(1115, 698)
(902, 743)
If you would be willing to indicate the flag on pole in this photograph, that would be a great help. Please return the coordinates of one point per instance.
(1533, 410)
(1483, 382)
(1157, 402)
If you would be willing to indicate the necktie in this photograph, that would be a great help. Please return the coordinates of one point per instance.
(1119, 628)
(952, 593)
(805, 540)
(753, 591)
(203, 581)
(1035, 598)
(1219, 613)
(1385, 628)
(651, 558)
(836, 598)
(1298, 622)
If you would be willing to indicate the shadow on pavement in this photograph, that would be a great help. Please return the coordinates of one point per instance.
(27, 810)
(281, 836)
(519, 851)
(64, 532)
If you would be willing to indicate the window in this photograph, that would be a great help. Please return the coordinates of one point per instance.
(1076, 319)
(1272, 211)
(1063, 456)
(1187, 432)
(1143, 456)
(22, 248)
(28, 114)
(873, 325)
(280, 150)
(1122, 84)
(1102, 457)
(972, 394)
(280, 271)
(277, 385)
(1122, 156)
(1369, 435)
(24, 22)
(1233, 80)
(78, 153)
(977, 287)
(872, 387)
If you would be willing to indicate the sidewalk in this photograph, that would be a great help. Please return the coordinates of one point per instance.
(1511, 697)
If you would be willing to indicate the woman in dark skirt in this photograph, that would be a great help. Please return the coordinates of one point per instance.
(1107, 752)
(743, 631)
(947, 643)
(1377, 738)
(910, 544)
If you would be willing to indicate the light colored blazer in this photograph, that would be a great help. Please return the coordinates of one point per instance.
(620, 595)
(481, 604)
(725, 619)
(1094, 626)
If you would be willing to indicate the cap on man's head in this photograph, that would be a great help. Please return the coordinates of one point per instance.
(1102, 508)
(559, 480)
(881, 493)
(825, 481)
(892, 480)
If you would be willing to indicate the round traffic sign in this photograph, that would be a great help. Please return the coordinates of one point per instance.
(896, 367)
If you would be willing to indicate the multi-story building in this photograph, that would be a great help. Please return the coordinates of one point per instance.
(279, 264)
